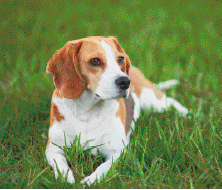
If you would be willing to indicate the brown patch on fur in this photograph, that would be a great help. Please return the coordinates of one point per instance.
(121, 113)
(48, 143)
(139, 81)
(91, 49)
(119, 51)
(56, 93)
(58, 116)
(129, 113)
(54, 112)
(64, 68)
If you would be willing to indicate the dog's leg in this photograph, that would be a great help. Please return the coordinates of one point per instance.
(102, 170)
(152, 97)
(113, 144)
(56, 159)
(149, 100)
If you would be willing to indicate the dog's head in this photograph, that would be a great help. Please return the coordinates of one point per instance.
(95, 63)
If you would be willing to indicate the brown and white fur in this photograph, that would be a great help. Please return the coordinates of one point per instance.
(98, 95)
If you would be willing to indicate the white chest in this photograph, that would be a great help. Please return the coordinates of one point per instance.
(96, 126)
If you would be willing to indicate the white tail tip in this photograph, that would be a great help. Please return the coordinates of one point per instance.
(167, 84)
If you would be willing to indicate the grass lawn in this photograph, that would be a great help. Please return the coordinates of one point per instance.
(166, 40)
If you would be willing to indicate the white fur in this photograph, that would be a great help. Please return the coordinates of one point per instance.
(95, 119)
(107, 89)
(167, 84)
(148, 100)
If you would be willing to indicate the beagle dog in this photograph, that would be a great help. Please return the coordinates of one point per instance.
(99, 95)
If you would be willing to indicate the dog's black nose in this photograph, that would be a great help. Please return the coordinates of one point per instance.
(123, 83)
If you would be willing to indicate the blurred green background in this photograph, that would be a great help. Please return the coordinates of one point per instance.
(165, 39)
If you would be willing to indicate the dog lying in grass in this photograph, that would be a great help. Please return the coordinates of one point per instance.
(99, 95)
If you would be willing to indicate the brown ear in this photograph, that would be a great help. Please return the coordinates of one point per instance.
(64, 68)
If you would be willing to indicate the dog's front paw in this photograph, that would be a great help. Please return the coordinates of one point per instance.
(70, 177)
(89, 180)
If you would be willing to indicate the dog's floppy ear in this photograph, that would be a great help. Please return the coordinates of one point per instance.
(64, 68)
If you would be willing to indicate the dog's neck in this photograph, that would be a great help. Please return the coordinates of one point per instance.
(84, 108)
(87, 101)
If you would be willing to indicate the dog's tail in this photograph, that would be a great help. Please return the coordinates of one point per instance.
(167, 84)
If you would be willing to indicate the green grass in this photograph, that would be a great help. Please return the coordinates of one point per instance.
(166, 40)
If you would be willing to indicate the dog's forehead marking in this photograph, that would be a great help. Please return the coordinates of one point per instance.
(110, 55)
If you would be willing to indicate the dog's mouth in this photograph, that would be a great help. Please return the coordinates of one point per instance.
(124, 94)
(98, 96)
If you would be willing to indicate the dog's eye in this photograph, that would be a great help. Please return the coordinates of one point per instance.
(95, 62)
(120, 60)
